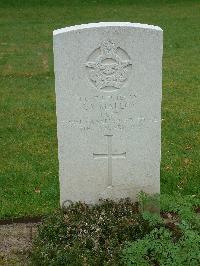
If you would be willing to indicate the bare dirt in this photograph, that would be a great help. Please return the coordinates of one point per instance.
(15, 243)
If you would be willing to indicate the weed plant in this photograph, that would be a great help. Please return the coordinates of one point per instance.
(118, 233)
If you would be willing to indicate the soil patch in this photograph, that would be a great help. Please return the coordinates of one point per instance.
(15, 242)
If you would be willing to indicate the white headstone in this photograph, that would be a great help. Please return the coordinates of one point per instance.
(108, 104)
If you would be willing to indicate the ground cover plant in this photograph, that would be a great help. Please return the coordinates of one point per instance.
(29, 165)
(175, 242)
(121, 233)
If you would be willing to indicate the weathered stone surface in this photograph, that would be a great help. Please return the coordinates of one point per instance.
(108, 104)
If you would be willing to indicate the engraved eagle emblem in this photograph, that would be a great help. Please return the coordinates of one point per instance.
(108, 66)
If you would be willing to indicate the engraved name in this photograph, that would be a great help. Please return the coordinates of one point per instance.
(112, 103)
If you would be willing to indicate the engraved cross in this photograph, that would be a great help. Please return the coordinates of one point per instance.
(110, 155)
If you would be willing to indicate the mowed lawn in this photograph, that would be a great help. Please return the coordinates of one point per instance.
(28, 144)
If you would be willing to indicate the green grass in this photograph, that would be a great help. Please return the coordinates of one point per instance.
(29, 165)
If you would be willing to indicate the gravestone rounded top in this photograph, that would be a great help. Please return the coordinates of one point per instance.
(106, 24)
